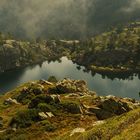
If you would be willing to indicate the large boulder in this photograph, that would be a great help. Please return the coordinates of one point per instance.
(101, 113)
(118, 105)
(113, 106)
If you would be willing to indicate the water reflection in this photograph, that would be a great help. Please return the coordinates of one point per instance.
(124, 85)
(112, 76)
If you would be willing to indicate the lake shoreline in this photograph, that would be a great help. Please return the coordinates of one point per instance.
(103, 83)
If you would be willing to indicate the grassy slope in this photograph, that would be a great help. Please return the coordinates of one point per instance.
(122, 127)
(37, 130)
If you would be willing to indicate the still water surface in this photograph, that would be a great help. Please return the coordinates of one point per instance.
(102, 85)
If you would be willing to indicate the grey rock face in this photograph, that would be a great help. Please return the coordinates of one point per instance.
(15, 54)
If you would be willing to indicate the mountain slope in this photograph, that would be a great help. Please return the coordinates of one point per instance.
(118, 128)
(45, 110)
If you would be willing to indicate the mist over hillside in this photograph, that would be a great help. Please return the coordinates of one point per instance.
(64, 18)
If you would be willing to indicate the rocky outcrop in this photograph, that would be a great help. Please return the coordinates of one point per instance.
(72, 86)
(109, 106)
(9, 56)
(15, 54)
(102, 107)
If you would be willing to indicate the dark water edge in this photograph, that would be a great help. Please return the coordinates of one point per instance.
(124, 86)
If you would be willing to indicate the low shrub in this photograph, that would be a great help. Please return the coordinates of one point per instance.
(52, 79)
(29, 93)
(43, 107)
(24, 118)
(71, 107)
(40, 99)
(48, 126)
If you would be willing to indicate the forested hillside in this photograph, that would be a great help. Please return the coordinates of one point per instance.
(116, 49)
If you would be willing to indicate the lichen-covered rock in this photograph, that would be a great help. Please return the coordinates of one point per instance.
(56, 98)
(49, 114)
(77, 130)
(10, 101)
(44, 82)
(42, 116)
